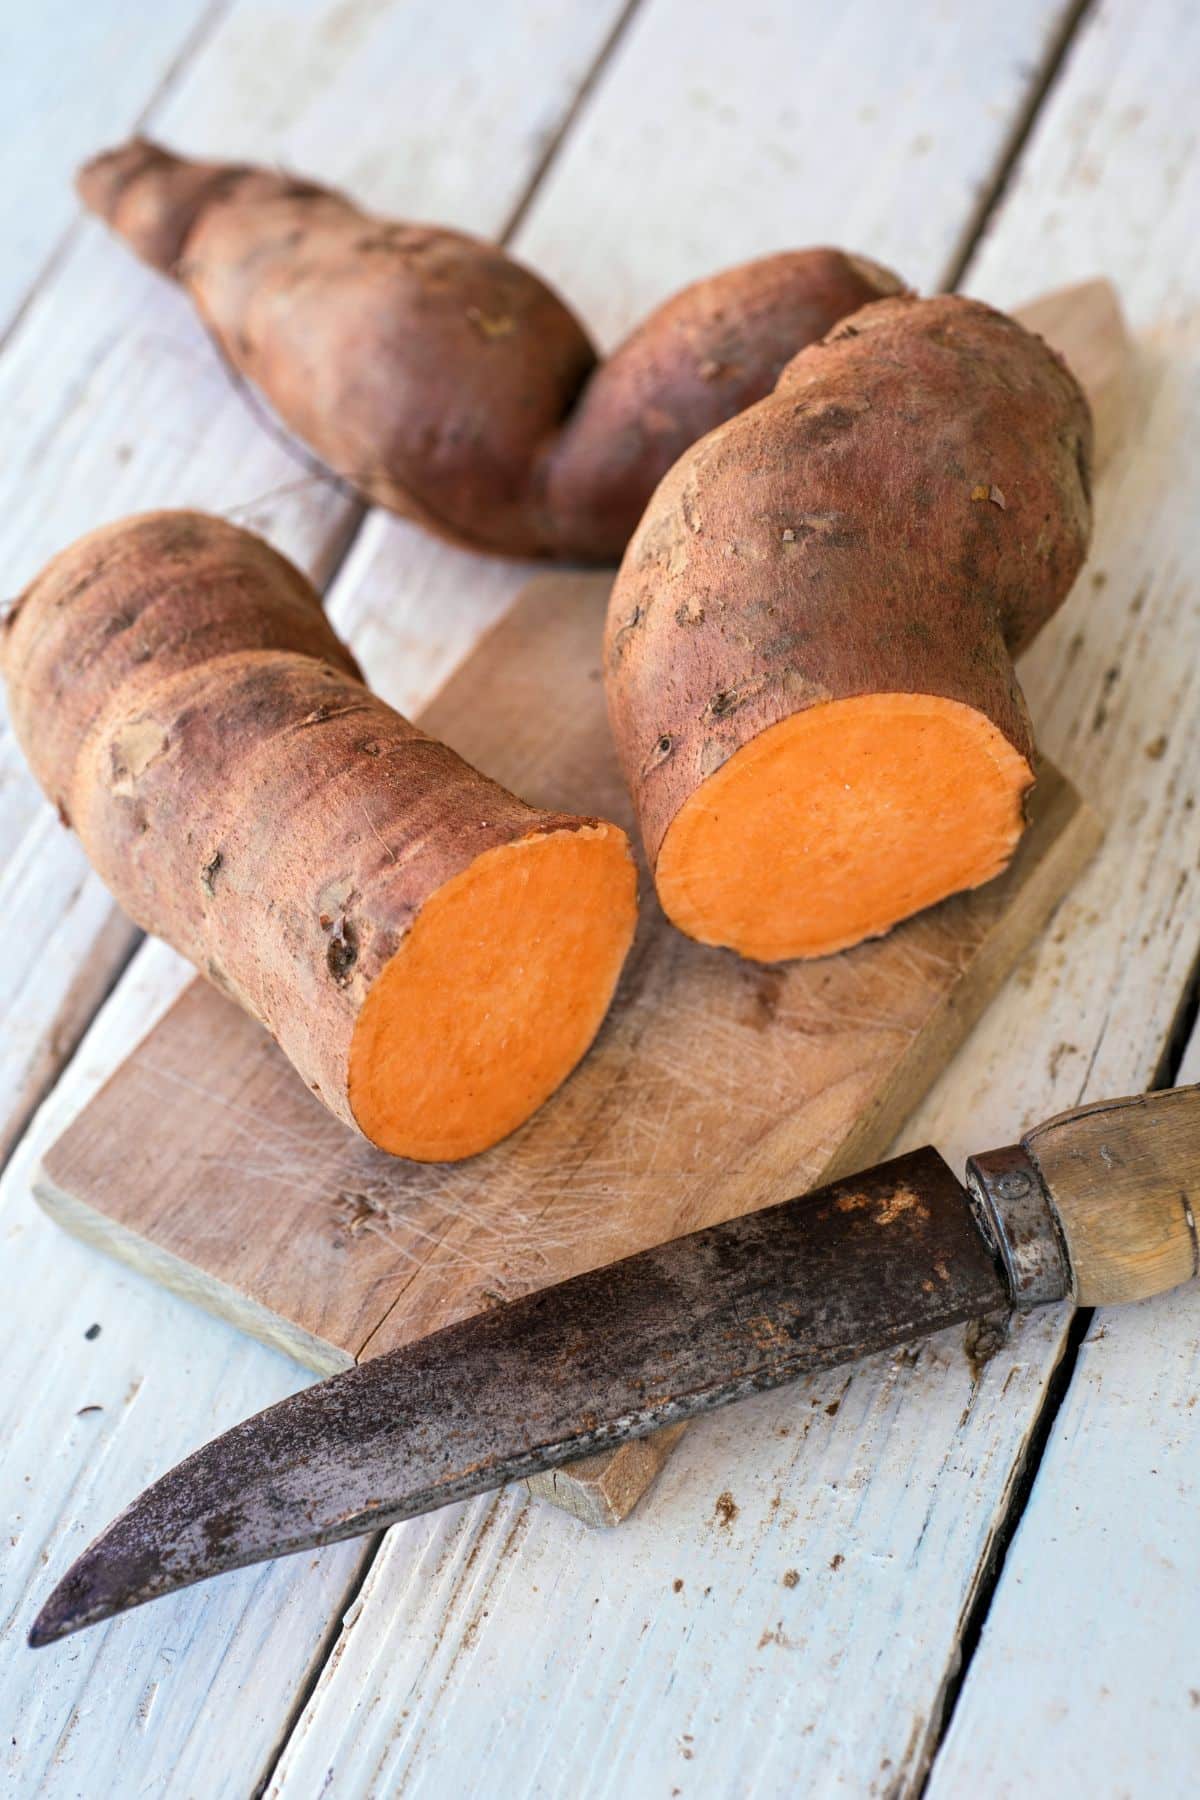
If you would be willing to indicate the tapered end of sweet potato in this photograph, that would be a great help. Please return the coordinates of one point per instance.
(840, 821)
(495, 993)
(149, 197)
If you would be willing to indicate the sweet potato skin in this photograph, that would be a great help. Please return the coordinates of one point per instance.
(424, 367)
(236, 786)
(439, 377)
(125, 607)
(901, 515)
(699, 359)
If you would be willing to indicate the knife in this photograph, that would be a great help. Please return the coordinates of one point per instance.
(1098, 1204)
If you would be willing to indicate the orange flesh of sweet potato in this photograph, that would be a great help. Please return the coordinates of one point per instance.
(432, 954)
(840, 821)
(495, 993)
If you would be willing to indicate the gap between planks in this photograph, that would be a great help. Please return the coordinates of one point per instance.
(992, 197)
(206, 24)
(1181, 1048)
(1044, 1419)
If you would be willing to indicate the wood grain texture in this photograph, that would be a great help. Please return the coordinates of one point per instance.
(705, 1645)
(1124, 1180)
(902, 1488)
(74, 941)
(93, 1402)
(71, 76)
(68, 76)
(114, 402)
(1091, 1636)
(881, 140)
(716, 1086)
(887, 1511)
(1091, 1633)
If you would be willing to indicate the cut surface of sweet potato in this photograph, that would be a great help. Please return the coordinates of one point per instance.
(840, 821)
(494, 995)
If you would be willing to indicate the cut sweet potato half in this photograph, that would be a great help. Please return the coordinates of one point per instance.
(433, 955)
(809, 651)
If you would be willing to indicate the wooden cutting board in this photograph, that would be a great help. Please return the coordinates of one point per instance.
(716, 1086)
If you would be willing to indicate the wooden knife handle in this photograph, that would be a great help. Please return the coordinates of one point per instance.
(1123, 1178)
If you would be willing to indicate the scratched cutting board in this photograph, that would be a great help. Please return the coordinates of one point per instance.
(716, 1086)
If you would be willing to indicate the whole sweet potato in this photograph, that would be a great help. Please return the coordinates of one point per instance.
(442, 379)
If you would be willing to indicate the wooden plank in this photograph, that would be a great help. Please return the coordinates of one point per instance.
(84, 406)
(49, 994)
(117, 402)
(887, 1512)
(90, 1405)
(715, 1087)
(1107, 1543)
(113, 401)
(72, 77)
(713, 140)
(1091, 1637)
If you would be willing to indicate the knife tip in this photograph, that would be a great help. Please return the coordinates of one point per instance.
(49, 1626)
(70, 1606)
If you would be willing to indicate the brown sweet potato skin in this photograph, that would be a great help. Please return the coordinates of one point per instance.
(442, 379)
(699, 359)
(180, 696)
(127, 606)
(902, 514)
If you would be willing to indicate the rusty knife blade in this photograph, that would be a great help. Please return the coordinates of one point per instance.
(871, 1261)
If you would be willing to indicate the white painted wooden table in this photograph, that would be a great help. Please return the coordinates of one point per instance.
(913, 1574)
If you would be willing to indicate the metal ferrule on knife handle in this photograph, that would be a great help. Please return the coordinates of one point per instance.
(1097, 1203)
(1017, 1218)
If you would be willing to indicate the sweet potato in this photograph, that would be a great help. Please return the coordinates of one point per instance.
(433, 955)
(809, 648)
(439, 377)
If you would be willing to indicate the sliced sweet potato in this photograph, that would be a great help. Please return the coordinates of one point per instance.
(433, 955)
(810, 641)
